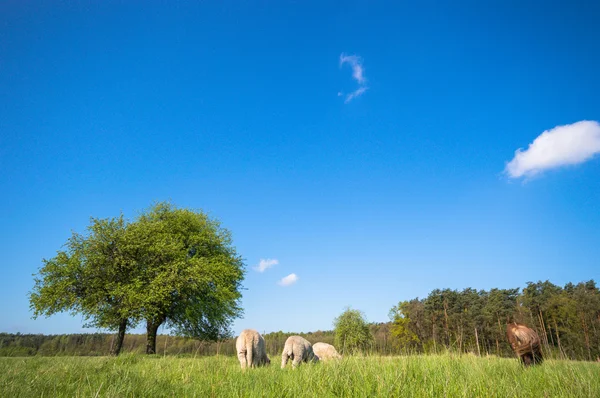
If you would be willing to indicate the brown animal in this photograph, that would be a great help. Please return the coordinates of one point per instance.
(525, 342)
(250, 347)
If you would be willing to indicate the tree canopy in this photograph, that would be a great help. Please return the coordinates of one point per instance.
(89, 277)
(189, 274)
(567, 319)
(352, 331)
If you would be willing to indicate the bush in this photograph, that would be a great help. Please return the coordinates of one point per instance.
(352, 333)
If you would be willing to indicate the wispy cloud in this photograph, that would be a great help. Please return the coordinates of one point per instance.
(561, 146)
(288, 280)
(354, 94)
(356, 64)
(266, 263)
(358, 73)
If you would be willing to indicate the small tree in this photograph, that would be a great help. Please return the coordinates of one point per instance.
(404, 337)
(352, 332)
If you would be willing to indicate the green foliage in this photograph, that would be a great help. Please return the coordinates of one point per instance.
(567, 320)
(170, 265)
(188, 272)
(99, 344)
(411, 376)
(401, 330)
(352, 333)
(89, 277)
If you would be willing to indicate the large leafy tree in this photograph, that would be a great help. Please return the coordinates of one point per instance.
(90, 277)
(171, 266)
(189, 274)
(352, 333)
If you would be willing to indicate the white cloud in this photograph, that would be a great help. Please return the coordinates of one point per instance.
(266, 263)
(354, 94)
(561, 146)
(358, 73)
(356, 64)
(288, 280)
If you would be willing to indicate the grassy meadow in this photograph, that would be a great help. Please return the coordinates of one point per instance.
(412, 376)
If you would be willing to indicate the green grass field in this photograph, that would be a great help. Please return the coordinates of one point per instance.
(413, 376)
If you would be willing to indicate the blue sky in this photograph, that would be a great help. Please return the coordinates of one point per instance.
(243, 110)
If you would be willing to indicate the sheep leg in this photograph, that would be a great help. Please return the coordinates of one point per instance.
(296, 361)
(284, 359)
(242, 358)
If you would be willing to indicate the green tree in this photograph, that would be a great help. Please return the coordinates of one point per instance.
(499, 307)
(171, 266)
(352, 331)
(90, 277)
(188, 274)
(402, 327)
(538, 298)
(467, 320)
(586, 297)
(436, 309)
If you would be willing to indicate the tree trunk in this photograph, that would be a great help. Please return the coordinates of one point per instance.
(446, 323)
(531, 316)
(560, 350)
(550, 329)
(433, 334)
(587, 338)
(151, 329)
(477, 339)
(545, 334)
(120, 337)
(501, 333)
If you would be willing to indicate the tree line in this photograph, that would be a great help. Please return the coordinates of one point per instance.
(466, 321)
(566, 318)
(101, 344)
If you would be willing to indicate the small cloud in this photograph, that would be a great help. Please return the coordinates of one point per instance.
(266, 263)
(358, 73)
(354, 94)
(356, 64)
(288, 280)
(561, 146)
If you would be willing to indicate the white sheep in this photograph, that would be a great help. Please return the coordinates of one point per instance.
(251, 351)
(298, 349)
(325, 351)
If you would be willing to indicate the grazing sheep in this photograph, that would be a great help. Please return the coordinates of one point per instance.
(250, 347)
(325, 351)
(525, 342)
(298, 349)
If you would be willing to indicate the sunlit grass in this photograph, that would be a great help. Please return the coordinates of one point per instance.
(411, 376)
